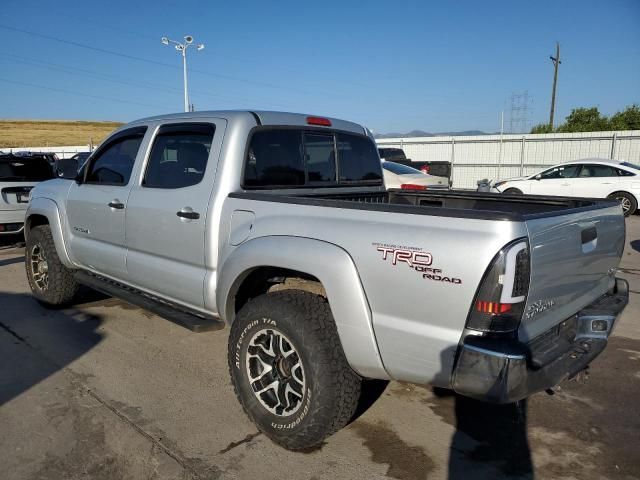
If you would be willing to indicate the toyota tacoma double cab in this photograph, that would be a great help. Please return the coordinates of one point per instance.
(279, 226)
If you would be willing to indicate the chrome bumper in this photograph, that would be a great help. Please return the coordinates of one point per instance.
(504, 370)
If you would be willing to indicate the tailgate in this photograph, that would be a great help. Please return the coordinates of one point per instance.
(573, 262)
(14, 195)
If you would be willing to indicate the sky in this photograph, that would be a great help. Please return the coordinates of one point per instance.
(393, 66)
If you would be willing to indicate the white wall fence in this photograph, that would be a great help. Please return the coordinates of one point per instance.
(495, 157)
(62, 152)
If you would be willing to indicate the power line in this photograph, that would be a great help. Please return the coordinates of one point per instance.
(155, 62)
(69, 92)
(56, 67)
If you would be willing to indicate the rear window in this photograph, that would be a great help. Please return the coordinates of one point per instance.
(399, 169)
(310, 158)
(16, 169)
(631, 165)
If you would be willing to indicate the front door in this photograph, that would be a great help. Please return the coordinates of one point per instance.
(167, 211)
(96, 207)
(555, 181)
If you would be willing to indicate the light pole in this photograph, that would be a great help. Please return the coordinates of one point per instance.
(182, 49)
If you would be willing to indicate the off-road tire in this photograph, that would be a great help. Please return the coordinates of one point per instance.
(332, 388)
(624, 196)
(61, 286)
(513, 191)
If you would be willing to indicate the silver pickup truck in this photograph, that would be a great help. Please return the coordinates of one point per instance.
(279, 225)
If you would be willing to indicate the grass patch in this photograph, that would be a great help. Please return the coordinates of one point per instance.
(52, 133)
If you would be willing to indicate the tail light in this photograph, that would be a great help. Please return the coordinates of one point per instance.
(425, 169)
(499, 302)
(412, 186)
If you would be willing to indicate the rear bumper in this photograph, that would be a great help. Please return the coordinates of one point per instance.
(503, 371)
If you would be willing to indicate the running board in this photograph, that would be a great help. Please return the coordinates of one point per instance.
(194, 321)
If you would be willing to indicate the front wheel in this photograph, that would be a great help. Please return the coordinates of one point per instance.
(288, 368)
(627, 202)
(513, 191)
(51, 282)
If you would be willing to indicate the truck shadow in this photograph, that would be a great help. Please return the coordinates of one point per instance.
(36, 343)
(491, 435)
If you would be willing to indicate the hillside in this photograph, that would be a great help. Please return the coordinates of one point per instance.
(42, 133)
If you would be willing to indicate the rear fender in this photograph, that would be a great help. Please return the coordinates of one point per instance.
(336, 271)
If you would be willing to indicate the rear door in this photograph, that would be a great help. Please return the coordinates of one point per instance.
(167, 210)
(595, 181)
(573, 262)
(96, 207)
(555, 181)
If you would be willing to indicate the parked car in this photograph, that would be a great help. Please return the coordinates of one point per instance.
(435, 168)
(598, 178)
(402, 176)
(51, 157)
(280, 226)
(18, 175)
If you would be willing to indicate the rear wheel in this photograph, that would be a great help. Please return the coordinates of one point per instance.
(513, 191)
(288, 368)
(627, 202)
(51, 282)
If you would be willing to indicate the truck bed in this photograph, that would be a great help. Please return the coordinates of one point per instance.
(451, 203)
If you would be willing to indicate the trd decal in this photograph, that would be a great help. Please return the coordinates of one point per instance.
(416, 259)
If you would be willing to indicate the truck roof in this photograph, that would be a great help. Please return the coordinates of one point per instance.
(265, 117)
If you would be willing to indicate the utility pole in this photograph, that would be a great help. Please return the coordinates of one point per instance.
(556, 61)
(182, 49)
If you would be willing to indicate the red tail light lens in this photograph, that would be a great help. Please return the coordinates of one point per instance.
(500, 300)
(323, 122)
(412, 186)
(425, 169)
(492, 307)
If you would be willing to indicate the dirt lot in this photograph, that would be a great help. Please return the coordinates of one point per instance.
(52, 133)
(107, 391)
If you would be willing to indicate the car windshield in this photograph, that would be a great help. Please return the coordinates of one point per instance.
(399, 169)
(20, 169)
(630, 165)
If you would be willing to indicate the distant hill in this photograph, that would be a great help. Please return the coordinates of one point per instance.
(422, 133)
(52, 133)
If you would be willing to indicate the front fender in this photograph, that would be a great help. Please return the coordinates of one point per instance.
(336, 271)
(49, 209)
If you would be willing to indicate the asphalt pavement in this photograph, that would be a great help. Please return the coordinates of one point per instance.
(105, 390)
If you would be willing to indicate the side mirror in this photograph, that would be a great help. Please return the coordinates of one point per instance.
(67, 168)
(538, 177)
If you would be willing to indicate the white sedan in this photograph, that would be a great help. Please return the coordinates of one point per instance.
(397, 175)
(596, 178)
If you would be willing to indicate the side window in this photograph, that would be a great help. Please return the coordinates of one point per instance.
(113, 164)
(319, 157)
(570, 171)
(624, 173)
(597, 171)
(179, 156)
(357, 159)
(275, 159)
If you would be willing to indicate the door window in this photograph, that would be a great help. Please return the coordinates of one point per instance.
(597, 171)
(179, 156)
(570, 171)
(113, 163)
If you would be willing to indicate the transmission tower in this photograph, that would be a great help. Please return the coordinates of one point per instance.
(519, 113)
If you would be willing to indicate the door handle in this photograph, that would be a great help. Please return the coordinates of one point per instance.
(117, 204)
(188, 213)
(565, 184)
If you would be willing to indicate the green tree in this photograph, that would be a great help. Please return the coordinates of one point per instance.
(585, 120)
(542, 128)
(628, 119)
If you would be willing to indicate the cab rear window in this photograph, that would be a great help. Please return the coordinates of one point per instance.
(292, 158)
